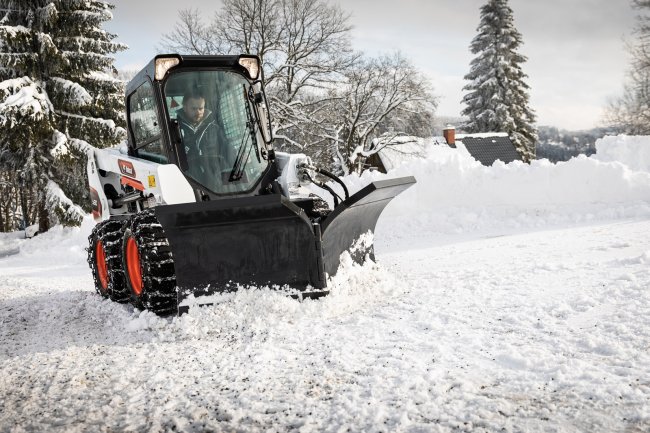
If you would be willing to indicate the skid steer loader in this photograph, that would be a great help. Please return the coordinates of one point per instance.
(198, 202)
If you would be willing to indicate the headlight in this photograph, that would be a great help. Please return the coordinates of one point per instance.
(164, 64)
(252, 65)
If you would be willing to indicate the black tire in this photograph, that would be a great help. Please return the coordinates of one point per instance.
(148, 265)
(106, 246)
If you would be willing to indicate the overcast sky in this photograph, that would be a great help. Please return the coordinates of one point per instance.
(575, 48)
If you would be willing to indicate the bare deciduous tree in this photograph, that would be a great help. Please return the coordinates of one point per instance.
(190, 35)
(326, 100)
(302, 43)
(377, 93)
(630, 112)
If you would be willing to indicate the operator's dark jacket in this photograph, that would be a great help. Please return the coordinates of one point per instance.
(199, 139)
(201, 147)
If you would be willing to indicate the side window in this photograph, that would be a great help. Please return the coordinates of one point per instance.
(144, 124)
(174, 103)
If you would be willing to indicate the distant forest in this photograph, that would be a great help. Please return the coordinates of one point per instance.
(561, 145)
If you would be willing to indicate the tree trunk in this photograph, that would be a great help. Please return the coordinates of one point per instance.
(43, 216)
(23, 207)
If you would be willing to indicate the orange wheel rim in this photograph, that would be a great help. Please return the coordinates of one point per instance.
(133, 266)
(102, 268)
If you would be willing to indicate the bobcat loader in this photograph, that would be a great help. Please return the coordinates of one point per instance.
(177, 220)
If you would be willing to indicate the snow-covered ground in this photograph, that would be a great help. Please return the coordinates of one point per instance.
(511, 298)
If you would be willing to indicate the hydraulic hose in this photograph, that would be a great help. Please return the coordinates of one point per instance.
(325, 187)
(335, 178)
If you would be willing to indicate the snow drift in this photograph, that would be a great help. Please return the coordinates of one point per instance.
(456, 194)
(632, 151)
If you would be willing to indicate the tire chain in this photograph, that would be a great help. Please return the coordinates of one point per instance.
(110, 233)
(158, 274)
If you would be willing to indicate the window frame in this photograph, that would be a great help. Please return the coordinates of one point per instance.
(165, 112)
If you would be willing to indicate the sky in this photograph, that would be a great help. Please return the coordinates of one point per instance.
(576, 49)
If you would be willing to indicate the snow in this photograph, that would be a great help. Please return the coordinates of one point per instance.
(397, 150)
(12, 31)
(58, 201)
(77, 94)
(456, 194)
(506, 298)
(60, 144)
(26, 97)
(102, 76)
(633, 151)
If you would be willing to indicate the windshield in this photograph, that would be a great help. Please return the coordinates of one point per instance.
(217, 129)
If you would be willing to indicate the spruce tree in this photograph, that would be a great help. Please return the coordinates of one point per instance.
(58, 94)
(498, 98)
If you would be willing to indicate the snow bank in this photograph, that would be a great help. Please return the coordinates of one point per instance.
(455, 193)
(59, 245)
(633, 151)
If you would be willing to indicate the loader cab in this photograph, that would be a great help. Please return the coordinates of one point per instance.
(208, 115)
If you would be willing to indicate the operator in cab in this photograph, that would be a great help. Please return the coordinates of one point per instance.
(198, 124)
(199, 131)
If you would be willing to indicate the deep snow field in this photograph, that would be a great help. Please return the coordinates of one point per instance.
(512, 298)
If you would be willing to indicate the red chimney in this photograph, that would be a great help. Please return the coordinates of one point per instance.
(450, 134)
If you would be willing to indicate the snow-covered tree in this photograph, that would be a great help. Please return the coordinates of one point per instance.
(57, 94)
(497, 98)
(378, 95)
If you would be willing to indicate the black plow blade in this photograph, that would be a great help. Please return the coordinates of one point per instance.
(351, 225)
(267, 240)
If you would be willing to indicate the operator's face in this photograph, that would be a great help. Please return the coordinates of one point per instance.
(195, 109)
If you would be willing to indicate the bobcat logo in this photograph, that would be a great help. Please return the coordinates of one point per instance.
(126, 168)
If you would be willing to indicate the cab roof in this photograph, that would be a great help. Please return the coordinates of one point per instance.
(186, 61)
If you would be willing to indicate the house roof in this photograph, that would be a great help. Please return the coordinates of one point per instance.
(404, 148)
(484, 147)
(489, 147)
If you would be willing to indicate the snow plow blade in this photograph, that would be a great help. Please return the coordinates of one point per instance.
(344, 228)
(267, 240)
